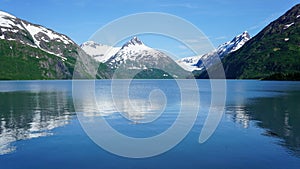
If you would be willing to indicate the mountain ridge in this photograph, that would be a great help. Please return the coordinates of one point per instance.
(36, 35)
(30, 49)
(196, 63)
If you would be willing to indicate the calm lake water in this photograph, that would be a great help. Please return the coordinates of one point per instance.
(260, 127)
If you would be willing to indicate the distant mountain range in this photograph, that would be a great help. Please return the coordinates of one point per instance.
(30, 51)
(196, 62)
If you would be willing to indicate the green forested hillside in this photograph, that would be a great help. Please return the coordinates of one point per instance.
(274, 53)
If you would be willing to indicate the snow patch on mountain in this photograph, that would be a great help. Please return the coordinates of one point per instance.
(11, 30)
(288, 25)
(34, 30)
(6, 20)
(2, 13)
(9, 21)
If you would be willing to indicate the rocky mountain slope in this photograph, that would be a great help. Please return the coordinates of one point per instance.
(30, 51)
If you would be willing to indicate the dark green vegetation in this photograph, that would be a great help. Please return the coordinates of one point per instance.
(19, 61)
(272, 117)
(23, 62)
(282, 76)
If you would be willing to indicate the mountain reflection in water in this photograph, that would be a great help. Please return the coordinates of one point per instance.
(278, 115)
(27, 115)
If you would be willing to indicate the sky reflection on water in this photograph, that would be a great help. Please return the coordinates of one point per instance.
(266, 112)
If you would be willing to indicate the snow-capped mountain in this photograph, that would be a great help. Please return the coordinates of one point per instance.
(100, 52)
(39, 53)
(135, 51)
(15, 29)
(135, 55)
(196, 62)
(234, 45)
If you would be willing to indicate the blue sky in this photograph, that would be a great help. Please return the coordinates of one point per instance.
(220, 20)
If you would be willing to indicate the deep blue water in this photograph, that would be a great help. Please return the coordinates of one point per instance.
(260, 127)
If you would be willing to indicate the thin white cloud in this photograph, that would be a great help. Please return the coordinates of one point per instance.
(265, 22)
(253, 27)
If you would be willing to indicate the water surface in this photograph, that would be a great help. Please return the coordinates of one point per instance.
(259, 129)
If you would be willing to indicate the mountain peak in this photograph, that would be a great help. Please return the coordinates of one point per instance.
(133, 42)
(136, 41)
(246, 35)
(235, 44)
